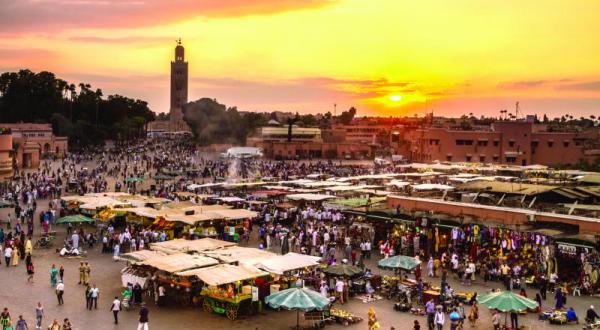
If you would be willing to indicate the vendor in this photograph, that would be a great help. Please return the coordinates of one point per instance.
(572, 316)
(591, 315)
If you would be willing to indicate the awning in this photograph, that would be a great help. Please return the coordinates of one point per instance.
(224, 274)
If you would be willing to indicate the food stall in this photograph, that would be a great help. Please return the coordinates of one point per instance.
(223, 292)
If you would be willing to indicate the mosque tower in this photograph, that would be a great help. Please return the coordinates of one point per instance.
(179, 90)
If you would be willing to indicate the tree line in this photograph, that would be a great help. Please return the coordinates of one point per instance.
(77, 111)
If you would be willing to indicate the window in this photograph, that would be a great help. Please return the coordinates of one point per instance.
(511, 143)
(449, 158)
(482, 143)
(578, 143)
(469, 142)
(482, 159)
(460, 142)
(496, 143)
(550, 144)
(469, 159)
(566, 144)
(495, 159)
(534, 144)
(511, 159)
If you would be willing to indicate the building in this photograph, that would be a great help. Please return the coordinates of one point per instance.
(6, 164)
(31, 142)
(179, 90)
(505, 142)
(307, 142)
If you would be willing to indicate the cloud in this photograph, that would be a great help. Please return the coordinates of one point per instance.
(27, 16)
(122, 40)
(524, 84)
(582, 86)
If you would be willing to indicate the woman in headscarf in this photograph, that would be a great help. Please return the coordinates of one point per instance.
(53, 276)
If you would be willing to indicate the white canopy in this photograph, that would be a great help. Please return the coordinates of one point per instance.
(309, 197)
(287, 262)
(224, 274)
(232, 199)
(179, 262)
(398, 183)
(431, 186)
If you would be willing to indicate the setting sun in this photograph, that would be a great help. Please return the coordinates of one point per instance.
(396, 98)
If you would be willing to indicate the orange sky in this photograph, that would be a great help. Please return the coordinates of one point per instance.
(386, 57)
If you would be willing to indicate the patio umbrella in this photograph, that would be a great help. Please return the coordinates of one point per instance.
(507, 302)
(74, 219)
(298, 299)
(398, 262)
(4, 204)
(343, 270)
(134, 180)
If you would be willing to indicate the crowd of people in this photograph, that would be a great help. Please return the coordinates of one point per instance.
(521, 262)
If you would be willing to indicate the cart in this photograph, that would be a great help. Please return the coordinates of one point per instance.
(229, 306)
(319, 318)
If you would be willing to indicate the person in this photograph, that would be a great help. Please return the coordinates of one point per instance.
(94, 294)
(439, 318)
(88, 296)
(30, 272)
(514, 320)
(591, 315)
(339, 290)
(81, 273)
(86, 274)
(416, 325)
(115, 308)
(4, 318)
(143, 320)
(572, 316)
(543, 287)
(454, 319)
(8, 255)
(22, 324)
(137, 293)
(39, 315)
(430, 310)
(60, 291)
(61, 272)
(53, 277)
(67, 325)
(474, 314)
(372, 319)
(538, 299)
(9, 326)
(15, 257)
(54, 326)
(496, 320)
(560, 301)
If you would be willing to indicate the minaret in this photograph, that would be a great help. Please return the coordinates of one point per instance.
(179, 89)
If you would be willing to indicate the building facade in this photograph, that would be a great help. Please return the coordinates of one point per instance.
(506, 142)
(6, 164)
(307, 143)
(179, 90)
(31, 142)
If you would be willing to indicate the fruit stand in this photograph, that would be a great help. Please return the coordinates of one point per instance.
(220, 303)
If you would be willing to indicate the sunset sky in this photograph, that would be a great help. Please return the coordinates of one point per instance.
(385, 57)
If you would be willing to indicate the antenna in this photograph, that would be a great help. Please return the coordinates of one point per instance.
(335, 109)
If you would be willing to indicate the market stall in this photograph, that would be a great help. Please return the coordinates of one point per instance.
(223, 292)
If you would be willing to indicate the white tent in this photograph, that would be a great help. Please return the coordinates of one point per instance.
(398, 183)
(287, 262)
(431, 186)
(309, 197)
